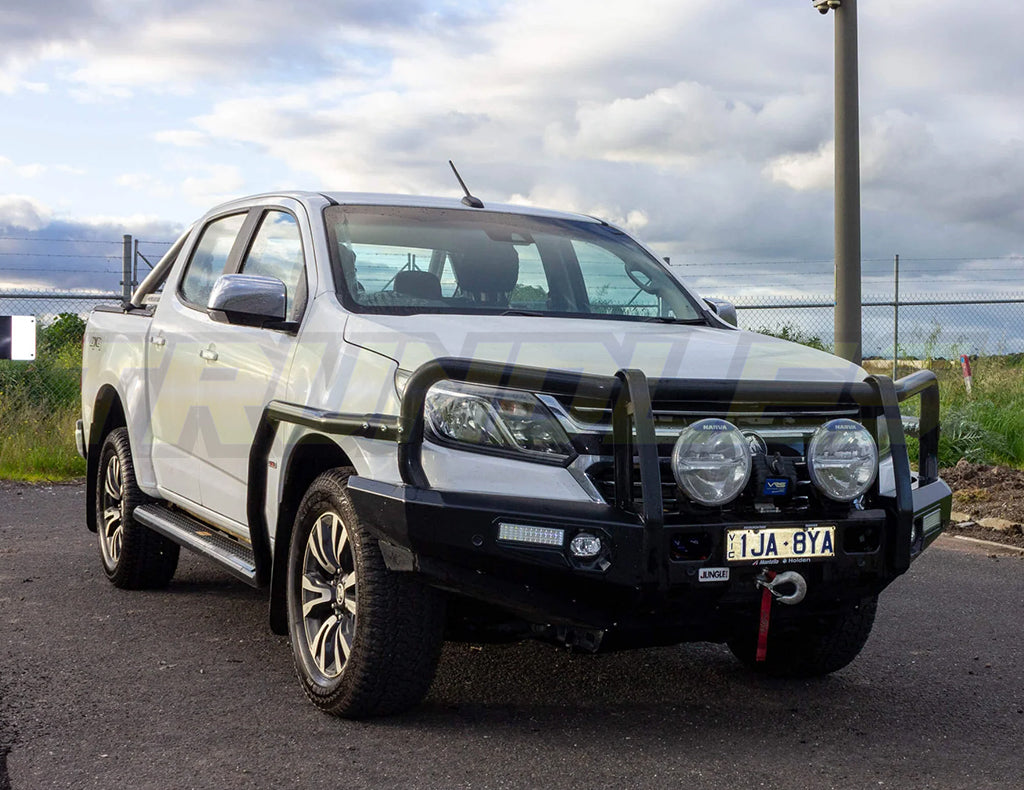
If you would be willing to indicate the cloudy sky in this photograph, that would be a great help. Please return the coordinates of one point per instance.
(703, 126)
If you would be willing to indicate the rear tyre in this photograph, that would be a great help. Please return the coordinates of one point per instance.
(134, 557)
(811, 646)
(365, 640)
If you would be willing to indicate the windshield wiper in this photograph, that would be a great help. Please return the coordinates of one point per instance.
(533, 313)
(664, 319)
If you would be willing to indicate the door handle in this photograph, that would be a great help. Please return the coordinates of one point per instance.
(209, 354)
(158, 340)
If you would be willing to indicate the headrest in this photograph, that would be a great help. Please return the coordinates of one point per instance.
(347, 259)
(486, 267)
(416, 283)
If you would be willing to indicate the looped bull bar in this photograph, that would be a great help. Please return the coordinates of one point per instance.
(631, 395)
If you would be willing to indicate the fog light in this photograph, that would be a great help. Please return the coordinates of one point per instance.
(842, 459)
(711, 461)
(585, 546)
(525, 533)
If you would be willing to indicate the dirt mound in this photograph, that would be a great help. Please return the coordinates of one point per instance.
(992, 500)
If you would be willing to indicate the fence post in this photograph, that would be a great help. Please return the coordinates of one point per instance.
(896, 316)
(126, 268)
(135, 265)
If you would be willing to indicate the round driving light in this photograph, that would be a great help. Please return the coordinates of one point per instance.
(842, 459)
(711, 461)
(585, 546)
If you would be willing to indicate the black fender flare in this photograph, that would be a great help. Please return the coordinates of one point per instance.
(107, 414)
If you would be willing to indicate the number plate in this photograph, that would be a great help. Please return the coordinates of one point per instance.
(780, 543)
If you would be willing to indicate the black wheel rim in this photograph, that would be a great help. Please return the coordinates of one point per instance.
(328, 596)
(111, 528)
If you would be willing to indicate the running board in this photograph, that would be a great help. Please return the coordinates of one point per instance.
(236, 558)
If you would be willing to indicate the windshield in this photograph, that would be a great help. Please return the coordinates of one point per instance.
(403, 260)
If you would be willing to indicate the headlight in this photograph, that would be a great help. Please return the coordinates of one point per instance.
(711, 461)
(497, 419)
(842, 459)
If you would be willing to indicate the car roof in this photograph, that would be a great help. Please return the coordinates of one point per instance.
(412, 201)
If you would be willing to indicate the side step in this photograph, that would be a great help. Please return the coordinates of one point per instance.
(236, 558)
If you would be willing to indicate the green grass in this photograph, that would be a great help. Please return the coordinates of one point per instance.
(986, 426)
(39, 404)
(37, 443)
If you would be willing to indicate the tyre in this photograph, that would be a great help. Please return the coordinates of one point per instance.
(365, 640)
(810, 646)
(134, 557)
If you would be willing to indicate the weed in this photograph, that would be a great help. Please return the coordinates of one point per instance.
(967, 496)
(37, 442)
(795, 334)
(39, 404)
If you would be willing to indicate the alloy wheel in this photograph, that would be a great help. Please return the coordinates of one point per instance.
(328, 596)
(112, 528)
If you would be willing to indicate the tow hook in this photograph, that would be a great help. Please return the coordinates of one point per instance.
(775, 582)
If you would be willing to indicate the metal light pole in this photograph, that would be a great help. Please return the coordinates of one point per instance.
(847, 186)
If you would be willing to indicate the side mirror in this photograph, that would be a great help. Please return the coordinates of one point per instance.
(724, 310)
(249, 299)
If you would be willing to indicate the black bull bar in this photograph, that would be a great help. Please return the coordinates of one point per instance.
(630, 394)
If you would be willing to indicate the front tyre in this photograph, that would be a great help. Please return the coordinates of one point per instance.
(134, 557)
(811, 646)
(365, 640)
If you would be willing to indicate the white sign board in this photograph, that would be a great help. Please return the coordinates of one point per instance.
(17, 337)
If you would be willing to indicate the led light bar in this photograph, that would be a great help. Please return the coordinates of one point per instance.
(525, 533)
(932, 520)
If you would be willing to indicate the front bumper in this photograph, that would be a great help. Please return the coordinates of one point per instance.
(452, 541)
(649, 577)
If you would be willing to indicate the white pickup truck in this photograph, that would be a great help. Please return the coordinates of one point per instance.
(415, 419)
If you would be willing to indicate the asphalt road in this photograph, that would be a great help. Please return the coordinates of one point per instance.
(188, 688)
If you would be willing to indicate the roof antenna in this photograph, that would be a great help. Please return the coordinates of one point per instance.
(469, 200)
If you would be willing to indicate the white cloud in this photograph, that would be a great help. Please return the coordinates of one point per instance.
(11, 82)
(144, 182)
(221, 183)
(686, 123)
(113, 47)
(20, 211)
(904, 165)
(134, 224)
(805, 172)
(22, 171)
(705, 125)
(184, 138)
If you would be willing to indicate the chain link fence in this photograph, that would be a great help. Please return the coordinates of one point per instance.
(927, 324)
(52, 380)
(92, 271)
(919, 328)
(908, 309)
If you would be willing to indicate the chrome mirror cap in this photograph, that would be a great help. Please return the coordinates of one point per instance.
(724, 309)
(247, 299)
